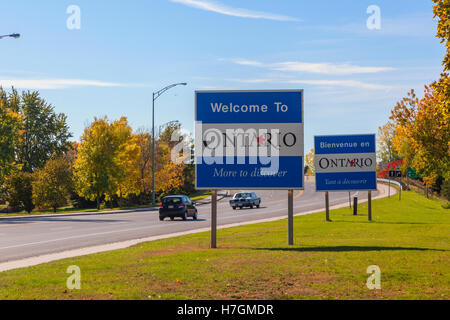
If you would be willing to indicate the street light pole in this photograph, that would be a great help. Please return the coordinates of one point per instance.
(156, 95)
(13, 35)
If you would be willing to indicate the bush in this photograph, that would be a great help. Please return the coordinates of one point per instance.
(19, 187)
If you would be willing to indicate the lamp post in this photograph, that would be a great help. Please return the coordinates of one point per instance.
(13, 35)
(156, 95)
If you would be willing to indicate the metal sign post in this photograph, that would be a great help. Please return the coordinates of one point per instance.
(291, 217)
(327, 206)
(214, 219)
(350, 200)
(370, 205)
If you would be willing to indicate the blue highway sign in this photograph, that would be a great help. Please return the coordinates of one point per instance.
(249, 139)
(345, 163)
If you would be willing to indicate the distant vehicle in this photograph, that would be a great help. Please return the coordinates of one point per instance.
(245, 199)
(177, 206)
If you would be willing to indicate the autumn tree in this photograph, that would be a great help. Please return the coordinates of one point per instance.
(441, 10)
(19, 186)
(170, 175)
(10, 133)
(422, 126)
(107, 162)
(94, 161)
(309, 161)
(166, 136)
(52, 184)
(386, 150)
(125, 173)
(144, 140)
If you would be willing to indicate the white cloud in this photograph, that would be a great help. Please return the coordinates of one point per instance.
(42, 84)
(323, 83)
(320, 68)
(414, 25)
(235, 12)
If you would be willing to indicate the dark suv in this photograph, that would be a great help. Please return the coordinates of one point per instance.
(177, 206)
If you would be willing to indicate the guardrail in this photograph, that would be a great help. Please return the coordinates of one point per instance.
(398, 184)
(390, 181)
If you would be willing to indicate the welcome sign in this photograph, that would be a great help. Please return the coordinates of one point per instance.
(249, 139)
(345, 163)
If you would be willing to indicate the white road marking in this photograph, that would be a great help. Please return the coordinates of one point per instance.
(77, 237)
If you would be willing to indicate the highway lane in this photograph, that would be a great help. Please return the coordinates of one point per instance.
(34, 236)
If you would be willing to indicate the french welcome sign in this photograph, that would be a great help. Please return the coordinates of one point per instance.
(249, 139)
(345, 163)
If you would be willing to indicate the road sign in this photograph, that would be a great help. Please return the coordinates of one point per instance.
(249, 139)
(395, 174)
(412, 173)
(345, 163)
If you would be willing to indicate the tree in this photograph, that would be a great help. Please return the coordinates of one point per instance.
(309, 161)
(20, 190)
(386, 150)
(423, 132)
(108, 160)
(10, 125)
(127, 158)
(45, 133)
(144, 140)
(52, 184)
(441, 10)
(94, 161)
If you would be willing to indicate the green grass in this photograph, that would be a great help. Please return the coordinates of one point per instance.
(409, 240)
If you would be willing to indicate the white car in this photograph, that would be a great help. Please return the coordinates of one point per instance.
(245, 199)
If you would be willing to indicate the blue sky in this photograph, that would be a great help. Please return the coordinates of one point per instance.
(352, 76)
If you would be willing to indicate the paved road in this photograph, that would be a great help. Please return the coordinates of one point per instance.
(33, 236)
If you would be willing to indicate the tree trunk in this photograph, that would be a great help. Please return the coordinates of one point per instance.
(98, 201)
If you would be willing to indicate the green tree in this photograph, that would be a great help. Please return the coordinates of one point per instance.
(10, 125)
(20, 190)
(45, 133)
(52, 184)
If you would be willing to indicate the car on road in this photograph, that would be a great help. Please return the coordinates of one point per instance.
(245, 199)
(177, 206)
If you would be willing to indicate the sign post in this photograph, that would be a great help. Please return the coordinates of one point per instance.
(249, 140)
(291, 217)
(370, 205)
(345, 163)
(327, 206)
(214, 219)
(397, 173)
